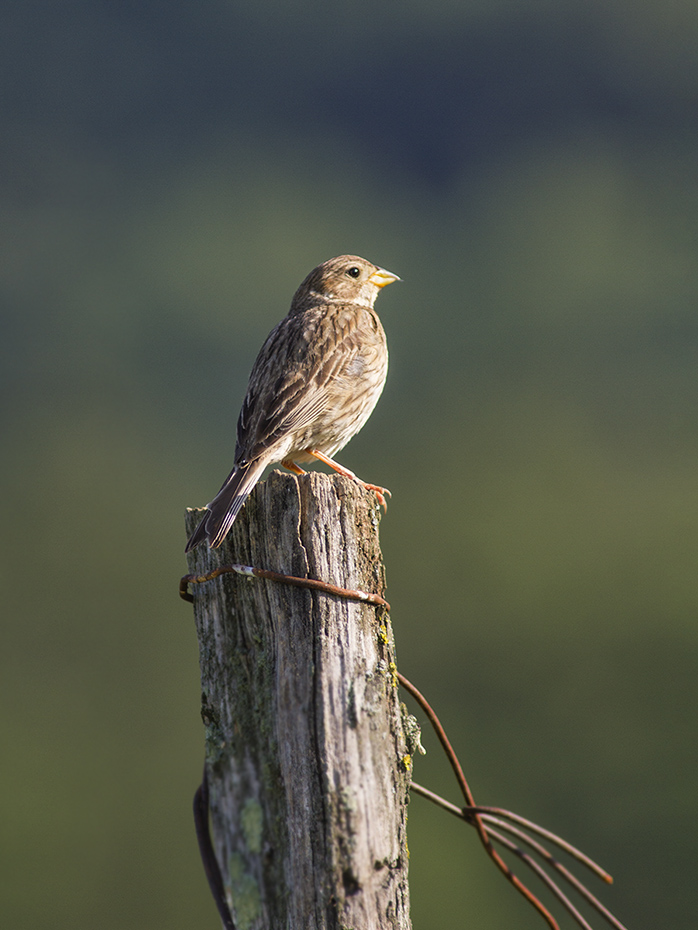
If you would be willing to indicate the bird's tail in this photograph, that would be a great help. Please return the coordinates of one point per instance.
(226, 505)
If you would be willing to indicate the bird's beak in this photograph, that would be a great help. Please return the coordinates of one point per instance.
(381, 277)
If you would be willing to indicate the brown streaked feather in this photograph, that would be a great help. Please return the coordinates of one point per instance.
(310, 367)
(316, 380)
(226, 505)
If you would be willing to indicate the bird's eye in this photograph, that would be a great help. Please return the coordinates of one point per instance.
(354, 272)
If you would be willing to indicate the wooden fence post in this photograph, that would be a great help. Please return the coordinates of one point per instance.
(306, 757)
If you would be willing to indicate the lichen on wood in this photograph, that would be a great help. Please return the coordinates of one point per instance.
(305, 749)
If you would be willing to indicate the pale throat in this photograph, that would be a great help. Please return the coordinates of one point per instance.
(365, 298)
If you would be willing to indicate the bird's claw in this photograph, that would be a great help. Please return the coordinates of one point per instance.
(381, 494)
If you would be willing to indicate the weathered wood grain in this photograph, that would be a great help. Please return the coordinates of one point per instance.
(306, 755)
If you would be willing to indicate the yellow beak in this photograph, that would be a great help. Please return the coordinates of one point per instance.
(381, 277)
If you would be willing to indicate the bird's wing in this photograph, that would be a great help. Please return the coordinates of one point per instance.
(288, 387)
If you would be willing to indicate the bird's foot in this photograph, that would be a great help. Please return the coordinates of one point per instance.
(381, 493)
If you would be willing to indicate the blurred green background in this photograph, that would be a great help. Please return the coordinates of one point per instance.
(170, 173)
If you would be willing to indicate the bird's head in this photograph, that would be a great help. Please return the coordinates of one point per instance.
(347, 278)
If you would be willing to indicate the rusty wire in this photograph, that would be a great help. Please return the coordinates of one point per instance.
(485, 820)
(249, 571)
(478, 816)
(477, 820)
(208, 855)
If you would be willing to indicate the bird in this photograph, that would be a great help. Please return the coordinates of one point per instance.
(316, 381)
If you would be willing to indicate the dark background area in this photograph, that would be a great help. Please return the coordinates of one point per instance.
(168, 175)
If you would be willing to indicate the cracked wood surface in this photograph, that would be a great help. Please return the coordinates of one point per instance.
(306, 756)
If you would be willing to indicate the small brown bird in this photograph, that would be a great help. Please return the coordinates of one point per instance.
(316, 381)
